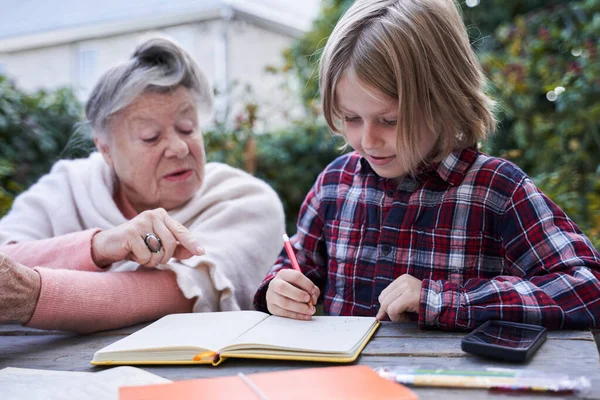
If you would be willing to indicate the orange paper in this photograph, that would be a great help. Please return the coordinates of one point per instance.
(348, 382)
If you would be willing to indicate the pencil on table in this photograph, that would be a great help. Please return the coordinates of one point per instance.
(292, 256)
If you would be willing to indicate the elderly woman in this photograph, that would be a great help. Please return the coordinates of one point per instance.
(144, 227)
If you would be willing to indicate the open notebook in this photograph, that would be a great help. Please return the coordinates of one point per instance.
(210, 338)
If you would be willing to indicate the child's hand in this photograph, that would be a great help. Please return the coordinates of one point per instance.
(289, 294)
(399, 297)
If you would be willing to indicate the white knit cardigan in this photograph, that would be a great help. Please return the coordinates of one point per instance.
(237, 218)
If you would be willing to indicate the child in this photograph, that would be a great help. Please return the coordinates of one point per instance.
(417, 220)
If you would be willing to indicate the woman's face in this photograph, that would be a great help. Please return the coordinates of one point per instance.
(156, 149)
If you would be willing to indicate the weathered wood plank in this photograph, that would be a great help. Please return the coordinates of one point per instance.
(394, 344)
(387, 329)
(410, 329)
(60, 352)
(18, 330)
(445, 347)
(75, 352)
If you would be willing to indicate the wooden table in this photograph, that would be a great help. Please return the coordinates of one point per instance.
(571, 352)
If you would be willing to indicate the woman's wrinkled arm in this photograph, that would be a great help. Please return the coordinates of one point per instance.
(83, 302)
(71, 251)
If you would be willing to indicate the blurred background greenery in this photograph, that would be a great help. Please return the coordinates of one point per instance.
(541, 57)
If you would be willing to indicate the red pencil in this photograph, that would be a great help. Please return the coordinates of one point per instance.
(292, 256)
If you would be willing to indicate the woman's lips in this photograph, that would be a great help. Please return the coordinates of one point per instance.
(380, 161)
(179, 176)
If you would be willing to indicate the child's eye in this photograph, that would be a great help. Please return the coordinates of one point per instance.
(351, 119)
(390, 122)
(151, 140)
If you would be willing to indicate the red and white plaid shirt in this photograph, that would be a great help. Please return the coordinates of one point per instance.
(486, 243)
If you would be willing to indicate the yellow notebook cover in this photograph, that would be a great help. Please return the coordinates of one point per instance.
(211, 338)
(356, 382)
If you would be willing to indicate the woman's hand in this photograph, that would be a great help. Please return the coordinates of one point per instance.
(126, 241)
(289, 293)
(19, 290)
(401, 296)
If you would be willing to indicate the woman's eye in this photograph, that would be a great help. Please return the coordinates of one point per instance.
(351, 119)
(185, 127)
(390, 122)
(151, 140)
(185, 131)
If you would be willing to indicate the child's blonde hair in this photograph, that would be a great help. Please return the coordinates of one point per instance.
(417, 51)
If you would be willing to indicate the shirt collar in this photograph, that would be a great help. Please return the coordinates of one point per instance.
(451, 169)
(454, 167)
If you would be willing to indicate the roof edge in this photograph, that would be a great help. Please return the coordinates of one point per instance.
(97, 31)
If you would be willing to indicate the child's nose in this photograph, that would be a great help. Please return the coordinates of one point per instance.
(371, 137)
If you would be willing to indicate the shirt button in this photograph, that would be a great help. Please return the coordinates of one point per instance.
(391, 193)
(386, 249)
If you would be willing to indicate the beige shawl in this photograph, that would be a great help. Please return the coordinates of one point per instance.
(237, 218)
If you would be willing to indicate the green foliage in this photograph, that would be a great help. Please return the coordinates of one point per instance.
(289, 160)
(34, 129)
(303, 55)
(483, 20)
(528, 48)
(544, 68)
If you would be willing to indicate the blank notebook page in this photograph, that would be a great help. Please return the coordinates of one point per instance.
(321, 334)
(210, 331)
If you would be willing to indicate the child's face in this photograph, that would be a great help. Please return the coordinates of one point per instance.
(370, 126)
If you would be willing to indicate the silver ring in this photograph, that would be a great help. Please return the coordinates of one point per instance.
(153, 242)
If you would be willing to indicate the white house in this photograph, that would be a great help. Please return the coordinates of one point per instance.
(52, 43)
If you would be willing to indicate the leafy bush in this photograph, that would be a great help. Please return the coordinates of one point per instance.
(530, 50)
(289, 160)
(34, 129)
(303, 56)
(545, 68)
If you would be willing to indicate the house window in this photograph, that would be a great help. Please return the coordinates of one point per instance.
(86, 70)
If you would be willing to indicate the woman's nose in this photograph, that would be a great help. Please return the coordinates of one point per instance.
(177, 146)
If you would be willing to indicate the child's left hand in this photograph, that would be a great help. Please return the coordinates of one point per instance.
(400, 297)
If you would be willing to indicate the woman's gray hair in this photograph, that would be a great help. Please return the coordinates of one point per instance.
(158, 64)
